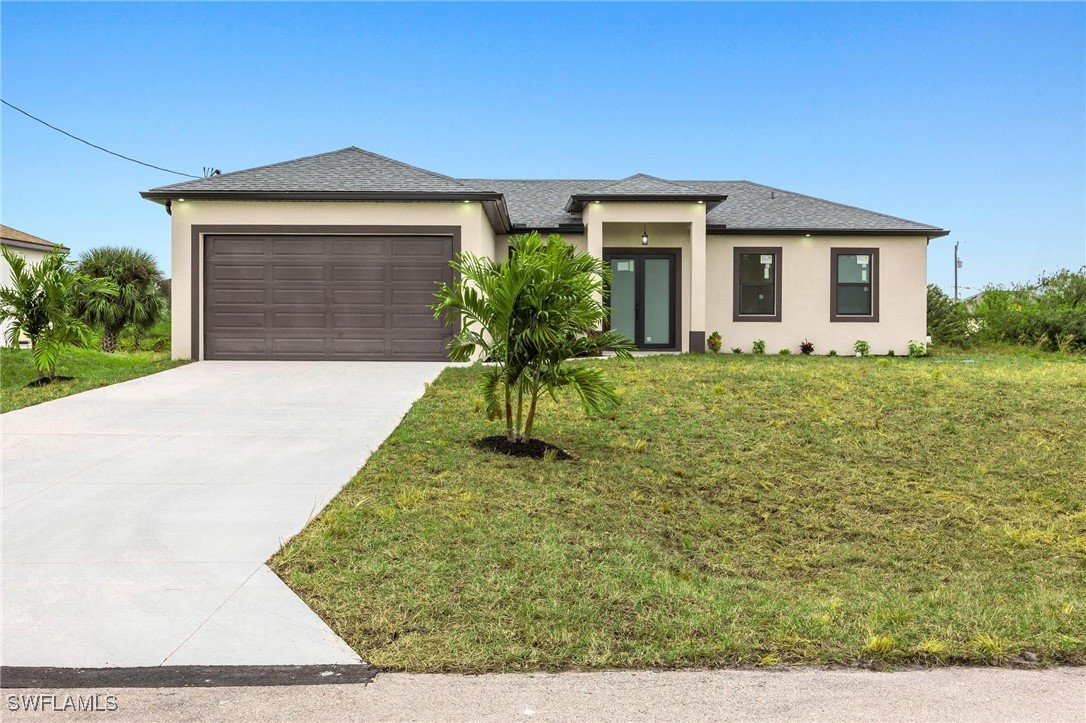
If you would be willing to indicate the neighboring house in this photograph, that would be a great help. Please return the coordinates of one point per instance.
(336, 256)
(31, 248)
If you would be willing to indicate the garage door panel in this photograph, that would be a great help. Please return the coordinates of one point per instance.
(303, 347)
(360, 246)
(241, 246)
(299, 246)
(434, 248)
(250, 347)
(242, 297)
(358, 273)
(299, 297)
(359, 321)
(248, 272)
(360, 296)
(353, 348)
(297, 272)
(227, 320)
(294, 320)
(324, 297)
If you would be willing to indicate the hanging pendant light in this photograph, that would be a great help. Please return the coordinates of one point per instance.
(645, 237)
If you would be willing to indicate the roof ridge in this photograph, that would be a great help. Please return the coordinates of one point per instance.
(355, 149)
(255, 168)
(843, 205)
(427, 171)
(657, 179)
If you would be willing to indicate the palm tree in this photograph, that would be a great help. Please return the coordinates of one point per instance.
(139, 302)
(40, 305)
(529, 315)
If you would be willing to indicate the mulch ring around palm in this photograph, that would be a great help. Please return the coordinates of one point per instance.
(534, 448)
(46, 380)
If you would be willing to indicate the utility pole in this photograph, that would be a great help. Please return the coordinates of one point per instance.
(957, 265)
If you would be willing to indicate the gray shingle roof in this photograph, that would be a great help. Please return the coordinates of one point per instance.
(347, 170)
(754, 206)
(542, 203)
(15, 237)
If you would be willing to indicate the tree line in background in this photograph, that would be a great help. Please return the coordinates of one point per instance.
(112, 295)
(1048, 314)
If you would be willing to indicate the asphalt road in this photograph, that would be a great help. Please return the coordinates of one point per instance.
(958, 694)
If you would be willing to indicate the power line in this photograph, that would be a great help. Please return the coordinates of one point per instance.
(92, 145)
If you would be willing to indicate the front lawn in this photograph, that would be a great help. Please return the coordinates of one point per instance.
(735, 510)
(89, 368)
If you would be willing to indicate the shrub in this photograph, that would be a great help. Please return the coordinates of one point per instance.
(530, 314)
(759, 346)
(714, 342)
(139, 303)
(890, 353)
(40, 304)
(948, 319)
(785, 352)
(156, 339)
(916, 349)
(861, 347)
(833, 352)
(806, 347)
(1041, 314)
(736, 350)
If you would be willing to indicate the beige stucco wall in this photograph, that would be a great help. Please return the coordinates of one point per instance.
(805, 306)
(477, 235)
(805, 265)
(32, 256)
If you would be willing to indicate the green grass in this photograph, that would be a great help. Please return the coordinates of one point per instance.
(736, 510)
(90, 369)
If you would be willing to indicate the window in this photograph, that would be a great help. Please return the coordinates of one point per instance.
(757, 292)
(854, 284)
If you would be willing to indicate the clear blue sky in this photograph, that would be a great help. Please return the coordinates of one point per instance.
(967, 116)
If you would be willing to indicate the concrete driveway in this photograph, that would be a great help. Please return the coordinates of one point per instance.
(137, 518)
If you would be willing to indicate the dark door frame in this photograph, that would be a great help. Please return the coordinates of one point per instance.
(199, 231)
(639, 255)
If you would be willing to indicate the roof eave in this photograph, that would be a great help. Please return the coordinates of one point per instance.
(204, 195)
(724, 229)
(493, 203)
(577, 201)
(31, 246)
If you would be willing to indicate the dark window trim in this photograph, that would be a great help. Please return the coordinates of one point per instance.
(778, 293)
(839, 251)
(676, 255)
(198, 232)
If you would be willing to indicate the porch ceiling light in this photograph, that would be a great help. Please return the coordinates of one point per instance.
(645, 237)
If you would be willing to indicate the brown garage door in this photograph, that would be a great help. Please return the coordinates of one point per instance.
(324, 297)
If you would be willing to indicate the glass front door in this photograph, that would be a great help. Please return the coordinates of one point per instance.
(642, 297)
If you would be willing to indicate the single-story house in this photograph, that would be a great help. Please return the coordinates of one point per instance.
(31, 248)
(336, 256)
